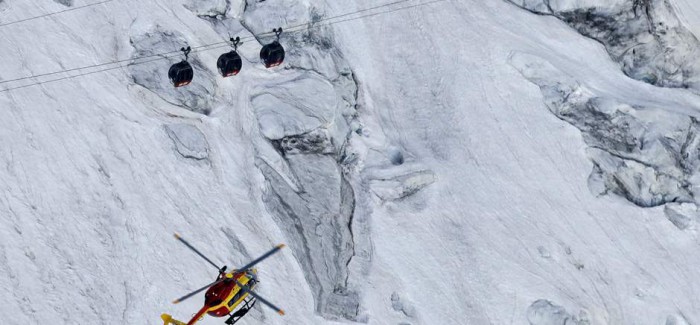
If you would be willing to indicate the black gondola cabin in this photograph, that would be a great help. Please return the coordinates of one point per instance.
(181, 74)
(272, 54)
(229, 64)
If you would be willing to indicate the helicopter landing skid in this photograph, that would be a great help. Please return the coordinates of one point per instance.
(248, 304)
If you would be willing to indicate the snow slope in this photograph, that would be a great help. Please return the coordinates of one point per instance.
(415, 162)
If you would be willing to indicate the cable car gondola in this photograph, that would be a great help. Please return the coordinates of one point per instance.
(272, 54)
(181, 73)
(229, 64)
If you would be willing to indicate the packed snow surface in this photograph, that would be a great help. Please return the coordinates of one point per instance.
(427, 162)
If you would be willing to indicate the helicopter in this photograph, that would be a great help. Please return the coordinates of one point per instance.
(230, 295)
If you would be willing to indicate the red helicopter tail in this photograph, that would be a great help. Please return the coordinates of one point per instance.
(197, 316)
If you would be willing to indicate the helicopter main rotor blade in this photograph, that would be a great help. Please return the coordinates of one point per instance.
(257, 296)
(196, 251)
(187, 296)
(264, 256)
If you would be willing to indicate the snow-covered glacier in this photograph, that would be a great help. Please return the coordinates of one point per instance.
(427, 162)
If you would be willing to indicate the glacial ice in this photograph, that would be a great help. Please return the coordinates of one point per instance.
(645, 38)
